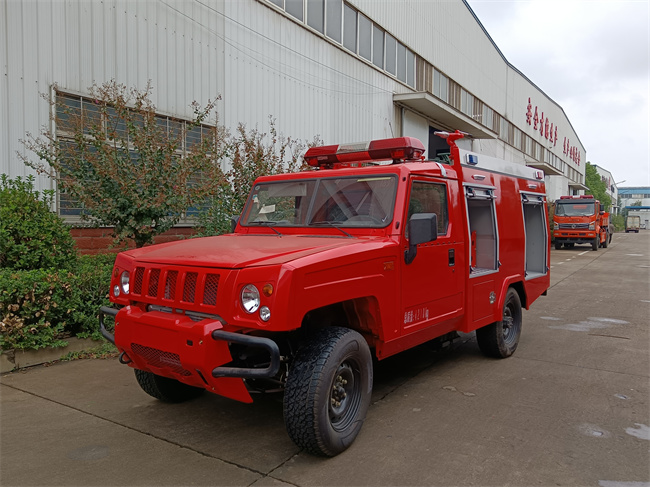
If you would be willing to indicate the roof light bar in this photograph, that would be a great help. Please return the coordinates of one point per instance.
(399, 149)
(578, 197)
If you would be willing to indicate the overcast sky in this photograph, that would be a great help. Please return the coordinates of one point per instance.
(592, 57)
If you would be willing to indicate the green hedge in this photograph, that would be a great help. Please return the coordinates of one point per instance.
(31, 236)
(40, 308)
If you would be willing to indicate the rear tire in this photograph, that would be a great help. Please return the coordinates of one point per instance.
(165, 389)
(328, 391)
(606, 242)
(500, 339)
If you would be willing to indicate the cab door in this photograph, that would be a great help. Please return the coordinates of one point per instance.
(432, 284)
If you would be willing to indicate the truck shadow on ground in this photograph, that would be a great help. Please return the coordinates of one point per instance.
(227, 429)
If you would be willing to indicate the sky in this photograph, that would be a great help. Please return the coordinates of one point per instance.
(592, 57)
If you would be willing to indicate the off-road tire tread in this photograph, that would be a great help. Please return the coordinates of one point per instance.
(301, 392)
(165, 389)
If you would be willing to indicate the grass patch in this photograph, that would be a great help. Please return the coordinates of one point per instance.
(103, 351)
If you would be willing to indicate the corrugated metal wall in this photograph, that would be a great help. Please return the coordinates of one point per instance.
(262, 62)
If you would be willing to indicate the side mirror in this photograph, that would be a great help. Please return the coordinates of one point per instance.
(423, 228)
(233, 223)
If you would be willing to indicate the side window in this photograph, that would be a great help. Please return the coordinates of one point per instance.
(429, 197)
(483, 229)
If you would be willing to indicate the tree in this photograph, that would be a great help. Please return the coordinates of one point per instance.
(597, 186)
(253, 153)
(128, 167)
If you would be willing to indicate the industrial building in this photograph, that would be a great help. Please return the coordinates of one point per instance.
(636, 201)
(345, 71)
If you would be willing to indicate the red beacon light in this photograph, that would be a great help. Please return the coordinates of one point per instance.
(400, 149)
(578, 197)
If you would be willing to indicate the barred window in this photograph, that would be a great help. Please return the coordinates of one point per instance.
(74, 111)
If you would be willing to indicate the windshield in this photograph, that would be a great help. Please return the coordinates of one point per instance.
(341, 202)
(575, 209)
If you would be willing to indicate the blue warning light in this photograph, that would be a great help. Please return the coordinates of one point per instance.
(472, 159)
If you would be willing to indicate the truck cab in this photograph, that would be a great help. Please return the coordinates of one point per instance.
(579, 220)
(373, 252)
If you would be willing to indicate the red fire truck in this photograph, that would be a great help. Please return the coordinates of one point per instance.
(578, 220)
(373, 253)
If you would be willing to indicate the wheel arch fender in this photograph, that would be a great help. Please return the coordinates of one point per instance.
(362, 314)
(516, 283)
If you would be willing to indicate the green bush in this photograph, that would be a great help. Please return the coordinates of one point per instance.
(31, 236)
(40, 308)
(619, 222)
(90, 286)
(33, 306)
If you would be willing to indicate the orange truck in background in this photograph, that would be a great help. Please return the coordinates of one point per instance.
(580, 220)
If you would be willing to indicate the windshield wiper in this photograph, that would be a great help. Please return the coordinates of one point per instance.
(266, 224)
(331, 224)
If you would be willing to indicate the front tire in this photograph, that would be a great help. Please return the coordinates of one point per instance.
(165, 389)
(594, 243)
(500, 339)
(328, 391)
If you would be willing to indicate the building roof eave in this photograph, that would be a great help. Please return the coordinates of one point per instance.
(578, 186)
(544, 166)
(431, 107)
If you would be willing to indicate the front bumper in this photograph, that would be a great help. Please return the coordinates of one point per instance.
(564, 236)
(195, 353)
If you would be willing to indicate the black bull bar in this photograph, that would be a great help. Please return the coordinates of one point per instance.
(240, 372)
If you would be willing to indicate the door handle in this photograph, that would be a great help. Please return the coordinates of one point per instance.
(452, 257)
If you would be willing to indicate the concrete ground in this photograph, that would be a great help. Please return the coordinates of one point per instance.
(571, 407)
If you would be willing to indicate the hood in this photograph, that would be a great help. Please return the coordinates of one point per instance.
(237, 251)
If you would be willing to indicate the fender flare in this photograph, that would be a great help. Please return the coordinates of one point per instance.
(517, 282)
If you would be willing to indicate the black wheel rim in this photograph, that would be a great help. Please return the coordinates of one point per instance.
(511, 324)
(344, 397)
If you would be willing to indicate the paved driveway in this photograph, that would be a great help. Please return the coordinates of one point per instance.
(569, 408)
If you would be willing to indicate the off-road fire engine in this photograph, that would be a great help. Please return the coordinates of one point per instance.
(579, 220)
(373, 253)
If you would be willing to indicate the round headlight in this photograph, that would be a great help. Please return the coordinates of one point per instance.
(250, 298)
(265, 313)
(116, 290)
(124, 282)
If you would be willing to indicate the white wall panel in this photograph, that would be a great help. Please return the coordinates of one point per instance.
(5, 146)
(260, 60)
(415, 126)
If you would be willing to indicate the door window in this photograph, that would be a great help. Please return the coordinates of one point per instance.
(428, 197)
